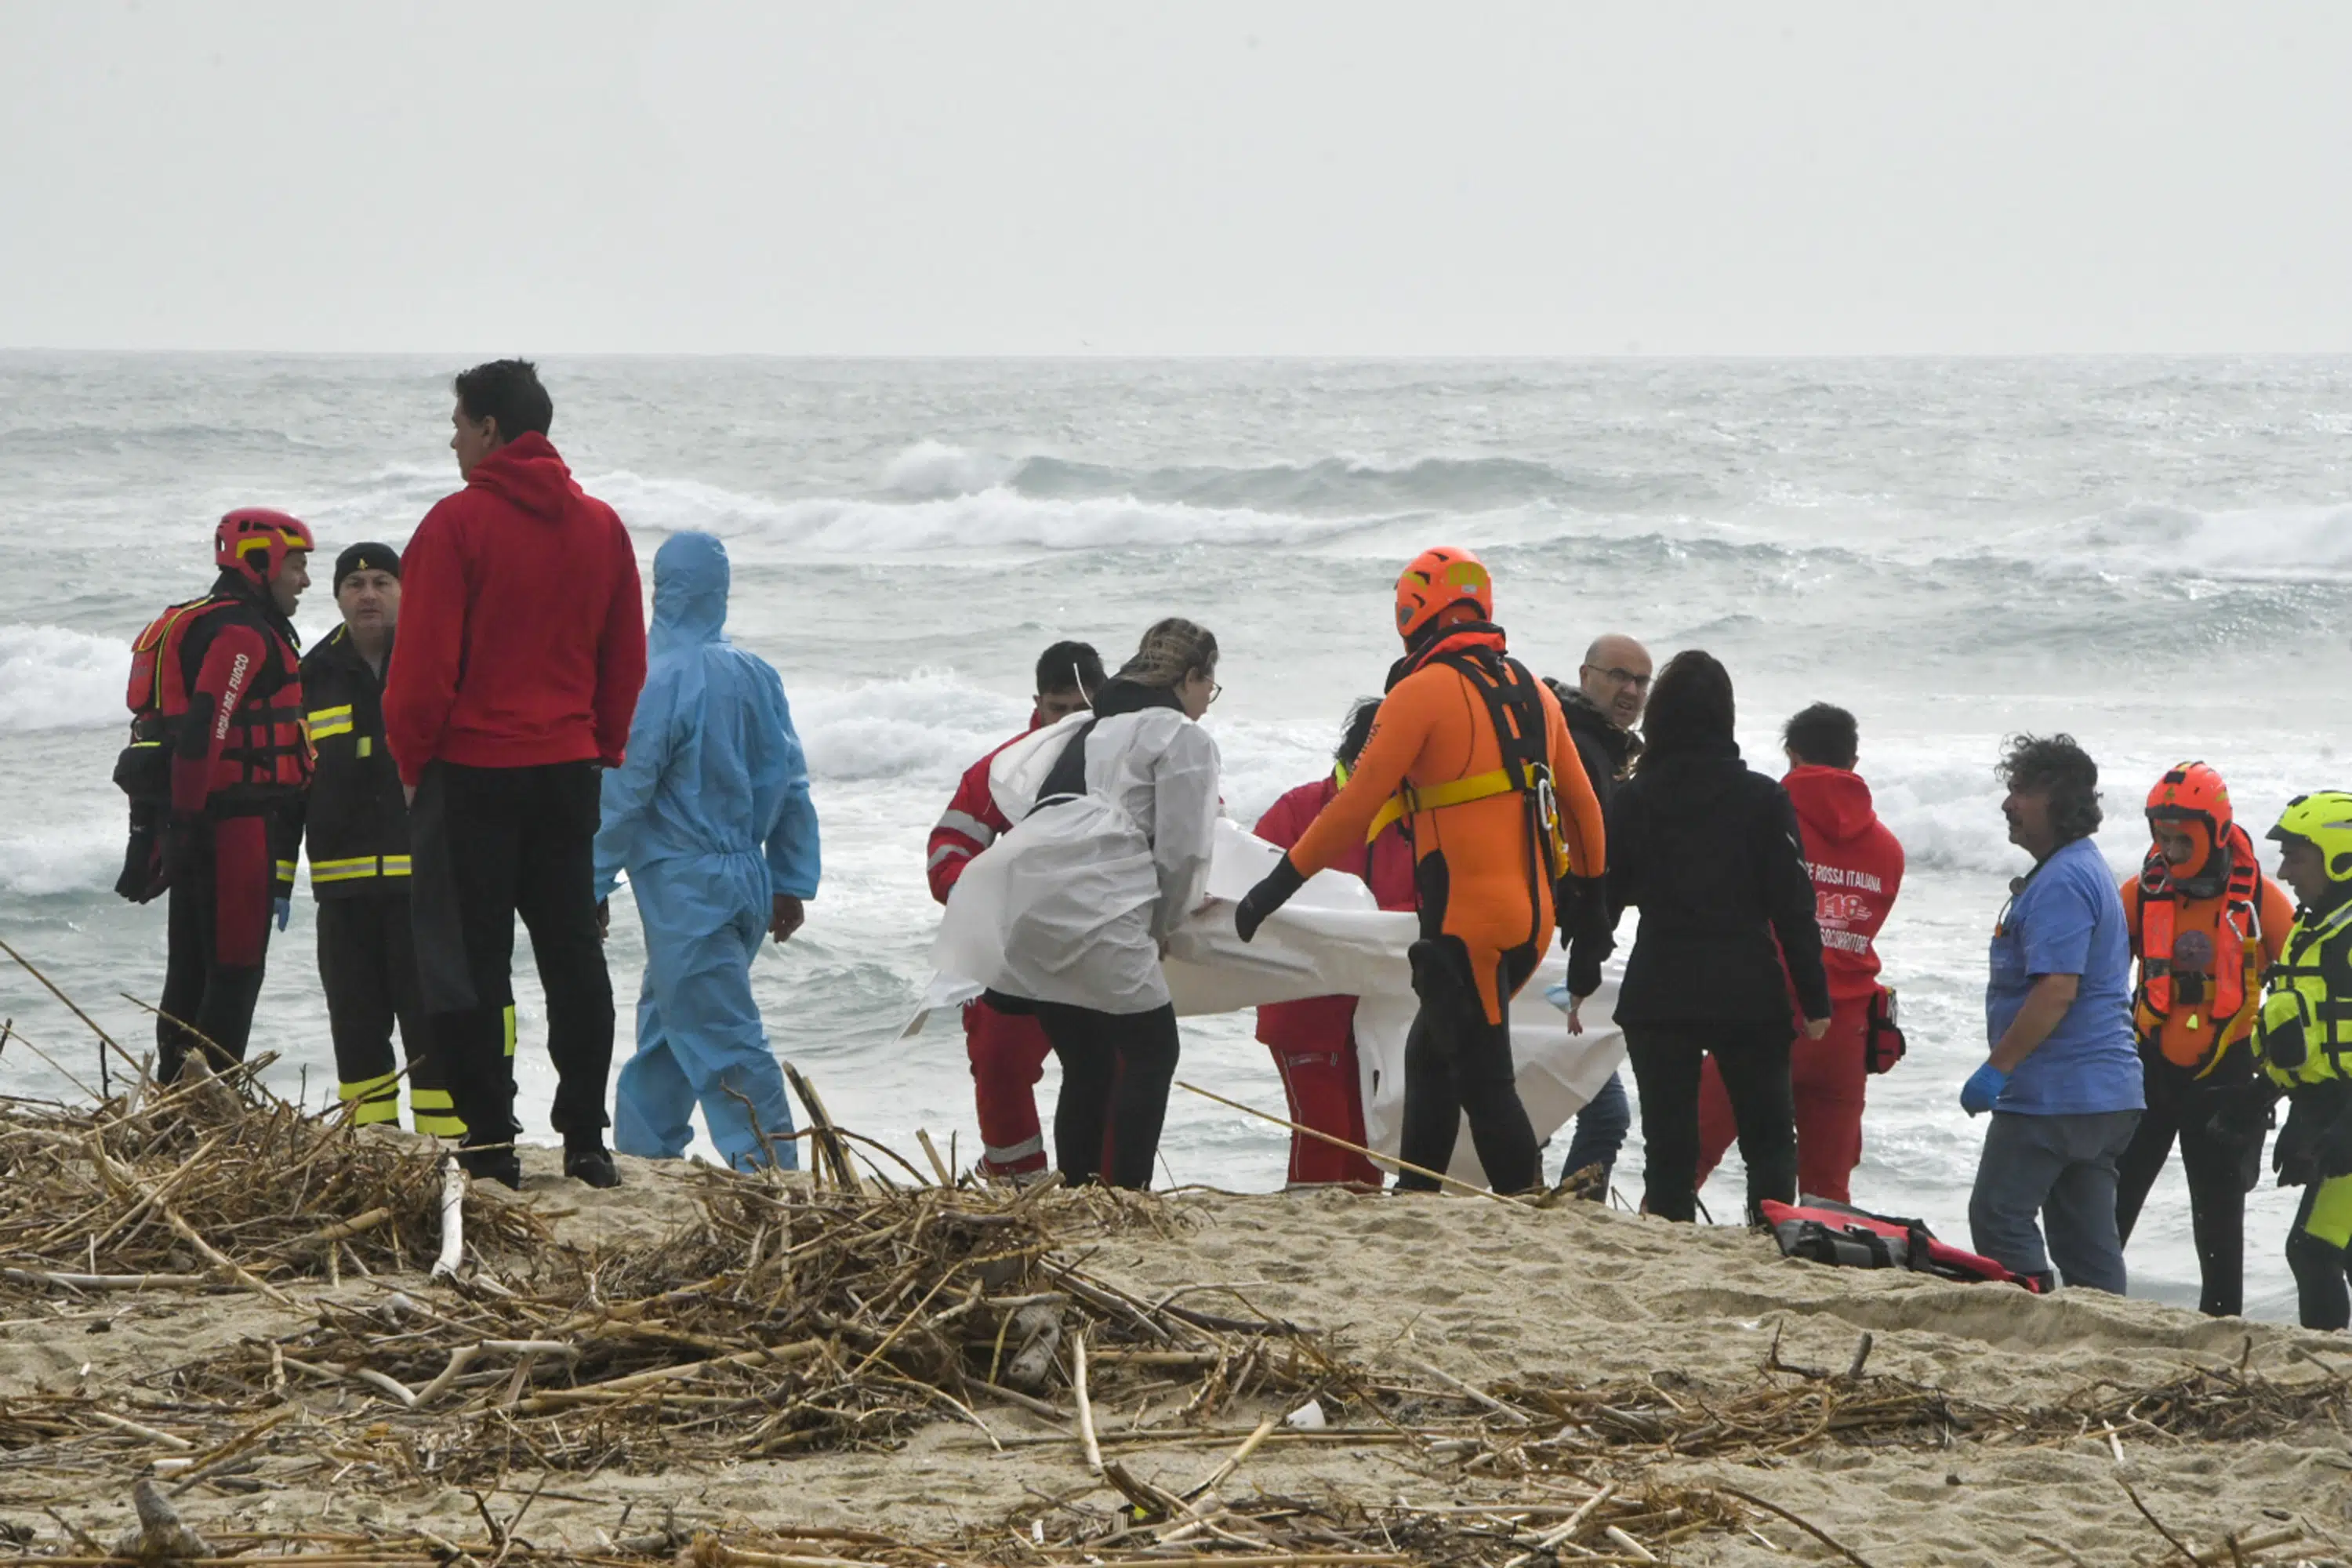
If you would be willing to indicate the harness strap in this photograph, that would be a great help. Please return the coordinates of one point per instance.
(1409, 801)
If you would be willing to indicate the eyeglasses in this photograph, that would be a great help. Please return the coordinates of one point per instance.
(1215, 691)
(1621, 677)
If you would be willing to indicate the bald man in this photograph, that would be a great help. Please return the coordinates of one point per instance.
(1611, 688)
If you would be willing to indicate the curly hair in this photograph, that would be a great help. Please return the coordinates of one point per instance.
(2058, 765)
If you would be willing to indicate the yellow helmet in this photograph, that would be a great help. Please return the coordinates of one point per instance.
(2324, 820)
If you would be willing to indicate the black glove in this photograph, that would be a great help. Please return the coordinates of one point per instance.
(2242, 1115)
(2294, 1151)
(1268, 896)
(2331, 1153)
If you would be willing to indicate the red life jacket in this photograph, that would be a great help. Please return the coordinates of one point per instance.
(2231, 1001)
(266, 745)
(1832, 1233)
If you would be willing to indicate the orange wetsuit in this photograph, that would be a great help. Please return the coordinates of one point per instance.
(1472, 860)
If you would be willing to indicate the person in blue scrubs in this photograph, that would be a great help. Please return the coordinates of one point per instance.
(710, 818)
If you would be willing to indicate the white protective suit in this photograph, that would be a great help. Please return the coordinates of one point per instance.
(1073, 904)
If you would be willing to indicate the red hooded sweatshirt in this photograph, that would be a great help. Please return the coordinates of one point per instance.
(1858, 867)
(522, 629)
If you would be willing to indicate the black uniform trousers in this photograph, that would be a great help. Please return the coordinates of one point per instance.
(218, 923)
(1458, 1064)
(2221, 1172)
(1116, 1072)
(486, 845)
(367, 964)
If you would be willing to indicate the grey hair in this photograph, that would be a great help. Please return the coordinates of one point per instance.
(1172, 651)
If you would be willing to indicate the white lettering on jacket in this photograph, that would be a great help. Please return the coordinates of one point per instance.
(230, 698)
(1841, 876)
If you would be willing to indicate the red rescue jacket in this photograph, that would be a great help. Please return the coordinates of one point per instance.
(522, 626)
(216, 687)
(970, 825)
(1321, 1023)
(1857, 868)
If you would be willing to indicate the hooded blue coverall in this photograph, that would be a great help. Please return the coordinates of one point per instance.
(711, 817)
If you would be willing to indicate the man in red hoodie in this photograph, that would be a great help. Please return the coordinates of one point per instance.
(1314, 1041)
(1858, 867)
(1007, 1053)
(522, 646)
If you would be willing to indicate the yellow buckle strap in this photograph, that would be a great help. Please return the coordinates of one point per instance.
(1438, 797)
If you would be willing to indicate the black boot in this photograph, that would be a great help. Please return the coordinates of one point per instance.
(592, 1164)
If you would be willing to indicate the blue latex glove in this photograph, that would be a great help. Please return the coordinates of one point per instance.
(1983, 1088)
(285, 908)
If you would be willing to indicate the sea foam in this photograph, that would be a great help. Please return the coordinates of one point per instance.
(55, 679)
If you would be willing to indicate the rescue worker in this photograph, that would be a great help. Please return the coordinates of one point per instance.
(1612, 687)
(1064, 919)
(356, 828)
(2205, 925)
(1471, 754)
(1007, 1052)
(1314, 1041)
(522, 652)
(219, 757)
(2303, 1036)
(1856, 867)
(711, 816)
(1708, 849)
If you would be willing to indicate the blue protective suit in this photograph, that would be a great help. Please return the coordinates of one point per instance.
(710, 817)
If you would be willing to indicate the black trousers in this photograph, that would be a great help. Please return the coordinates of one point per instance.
(1753, 1057)
(2220, 1172)
(367, 965)
(486, 845)
(218, 922)
(1458, 1064)
(1116, 1071)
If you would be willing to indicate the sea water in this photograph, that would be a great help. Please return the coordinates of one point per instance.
(2152, 555)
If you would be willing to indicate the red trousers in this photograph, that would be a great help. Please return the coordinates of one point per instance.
(1008, 1057)
(1826, 1079)
(1314, 1049)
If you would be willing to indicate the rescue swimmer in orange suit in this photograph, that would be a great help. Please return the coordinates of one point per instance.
(1007, 1052)
(1471, 754)
(216, 768)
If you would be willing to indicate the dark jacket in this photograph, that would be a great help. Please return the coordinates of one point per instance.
(1709, 851)
(1606, 749)
(356, 822)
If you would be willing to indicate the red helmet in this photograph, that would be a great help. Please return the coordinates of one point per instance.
(1438, 579)
(255, 542)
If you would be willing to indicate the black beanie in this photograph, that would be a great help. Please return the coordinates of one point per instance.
(369, 557)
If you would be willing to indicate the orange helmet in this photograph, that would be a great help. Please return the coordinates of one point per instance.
(2193, 793)
(1438, 579)
(254, 542)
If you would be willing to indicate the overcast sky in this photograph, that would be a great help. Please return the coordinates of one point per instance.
(1181, 178)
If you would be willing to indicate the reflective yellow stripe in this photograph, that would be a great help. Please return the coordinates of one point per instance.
(367, 745)
(329, 731)
(431, 1099)
(510, 1028)
(370, 1087)
(286, 871)
(395, 864)
(345, 871)
(1438, 797)
(440, 1126)
(322, 715)
(377, 1112)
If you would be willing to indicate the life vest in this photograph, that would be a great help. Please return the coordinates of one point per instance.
(265, 746)
(1515, 709)
(2304, 1030)
(1832, 1233)
(2229, 1002)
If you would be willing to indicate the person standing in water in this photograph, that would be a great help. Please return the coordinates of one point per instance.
(1064, 920)
(2205, 925)
(522, 651)
(1314, 1040)
(2303, 1039)
(1007, 1053)
(710, 818)
(1471, 754)
(355, 825)
(2064, 1077)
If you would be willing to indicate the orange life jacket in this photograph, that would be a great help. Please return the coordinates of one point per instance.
(2230, 1001)
(266, 744)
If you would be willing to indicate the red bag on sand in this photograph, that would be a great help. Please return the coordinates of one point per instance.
(1831, 1233)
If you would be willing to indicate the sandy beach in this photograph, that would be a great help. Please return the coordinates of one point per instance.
(1463, 1311)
